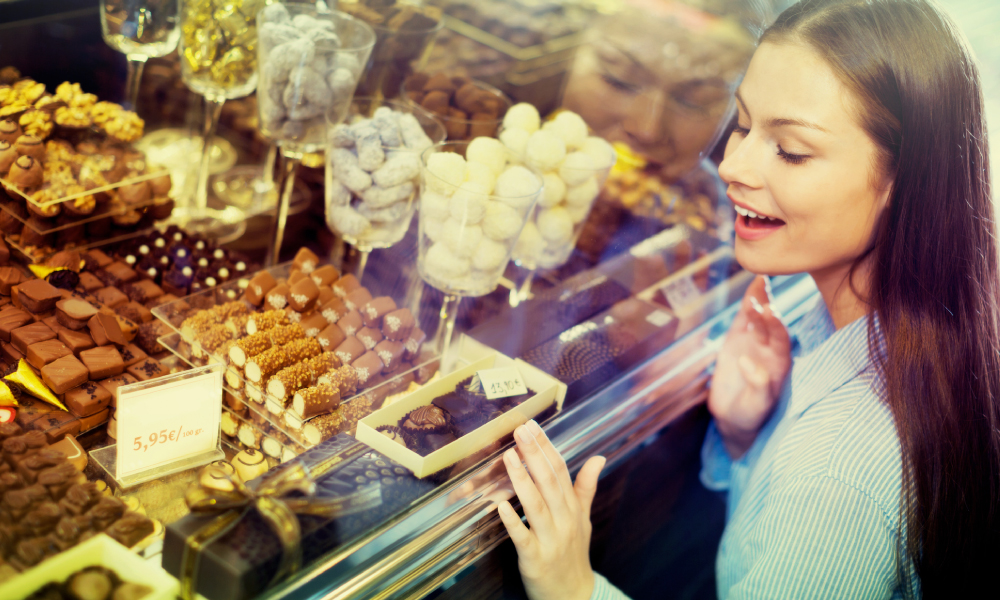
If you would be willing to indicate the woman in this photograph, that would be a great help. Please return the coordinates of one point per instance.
(860, 451)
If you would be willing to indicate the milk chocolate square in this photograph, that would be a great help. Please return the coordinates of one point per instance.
(64, 374)
(148, 369)
(110, 296)
(22, 337)
(331, 337)
(113, 383)
(117, 273)
(103, 362)
(105, 329)
(143, 291)
(87, 399)
(259, 286)
(29, 409)
(9, 353)
(90, 283)
(358, 298)
(94, 420)
(10, 277)
(303, 294)
(42, 353)
(56, 425)
(325, 275)
(52, 323)
(134, 312)
(164, 299)
(10, 319)
(132, 354)
(76, 341)
(98, 258)
(74, 313)
(38, 295)
(129, 327)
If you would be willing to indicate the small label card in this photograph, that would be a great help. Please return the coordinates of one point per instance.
(681, 292)
(502, 382)
(169, 422)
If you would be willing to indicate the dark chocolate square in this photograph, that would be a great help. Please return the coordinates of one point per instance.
(143, 291)
(56, 425)
(117, 273)
(134, 312)
(113, 383)
(132, 354)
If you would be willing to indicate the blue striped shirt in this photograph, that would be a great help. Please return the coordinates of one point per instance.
(813, 506)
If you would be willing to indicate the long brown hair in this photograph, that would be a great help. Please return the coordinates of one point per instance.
(934, 273)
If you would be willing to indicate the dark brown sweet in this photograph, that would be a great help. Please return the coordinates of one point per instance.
(397, 325)
(303, 294)
(111, 296)
(331, 337)
(22, 337)
(305, 260)
(424, 419)
(148, 369)
(103, 362)
(26, 173)
(105, 329)
(63, 280)
(351, 323)
(132, 354)
(368, 366)
(5, 252)
(9, 277)
(370, 337)
(42, 353)
(10, 319)
(134, 193)
(76, 341)
(113, 383)
(435, 441)
(87, 399)
(38, 295)
(259, 286)
(63, 374)
(118, 273)
(134, 312)
(74, 313)
(391, 353)
(129, 531)
(143, 291)
(325, 276)
(149, 334)
(358, 298)
(106, 511)
(349, 350)
(56, 424)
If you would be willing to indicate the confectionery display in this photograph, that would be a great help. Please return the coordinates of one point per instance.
(467, 108)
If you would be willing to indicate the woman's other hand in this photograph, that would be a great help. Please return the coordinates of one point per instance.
(554, 554)
(749, 371)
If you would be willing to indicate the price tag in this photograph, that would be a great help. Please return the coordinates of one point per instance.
(681, 291)
(169, 421)
(502, 382)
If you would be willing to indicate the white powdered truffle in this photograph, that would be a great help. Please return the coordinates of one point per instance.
(577, 167)
(577, 212)
(399, 168)
(336, 193)
(480, 174)
(545, 151)
(468, 205)
(555, 225)
(462, 239)
(446, 168)
(554, 192)
(441, 263)
(530, 243)
(522, 116)
(489, 255)
(516, 142)
(517, 186)
(488, 151)
(346, 220)
(601, 151)
(583, 194)
(379, 197)
(340, 135)
(414, 136)
(501, 221)
(434, 205)
(570, 128)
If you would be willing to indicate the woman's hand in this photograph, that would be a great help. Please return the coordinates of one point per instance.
(749, 371)
(554, 555)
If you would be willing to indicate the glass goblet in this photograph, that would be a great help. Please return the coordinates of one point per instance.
(139, 29)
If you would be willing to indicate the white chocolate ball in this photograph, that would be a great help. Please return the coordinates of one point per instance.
(570, 127)
(468, 205)
(445, 168)
(480, 174)
(501, 221)
(489, 255)
(522, 116)
(530, 243)
(517, 186)
(441, 263)
(434, 205)
(555, 190)
(577, 212)
(433, 229)
(601, 151)
(576, 168)
(488, 151)
(516, 142)
(545, 151)
(583, 194)
(461, 239)
(555, 225)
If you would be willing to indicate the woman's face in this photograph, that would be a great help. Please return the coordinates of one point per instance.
(799, 157)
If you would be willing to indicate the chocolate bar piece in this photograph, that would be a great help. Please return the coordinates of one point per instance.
(74, 313)
(316, 400)
(374, 311)
(277, 298)
(350, 349)
(87, 399)
(358, 298)
(10, 319)
(38, 295)
(110, 297)
(314, 324)
(143, 291)
(103, 362)
(331, 337)
(351, 323)
(149, 335)
(303, 294)
(22, 337)
(135, 312)
(391, 353)
(105, 329)
(259, 286)
(325, 295)
(76, 341)
(118, 273)
(42, 353)
(113, 383)
(398, 324)
(148, 369)
(10, 277)
(56, 425)
(325, 276)
(64, 374)
(368, 366)
(98, 258)
(90, 283)
(345, 285)
(98, 418)
(29, 409)
(9, 353)
(132, 354)
(305, 260)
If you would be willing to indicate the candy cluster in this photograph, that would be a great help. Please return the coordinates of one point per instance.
(218, 46)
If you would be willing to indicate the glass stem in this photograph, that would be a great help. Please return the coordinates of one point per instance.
(136, 62)
(446, 324)
(269, 162)
(291, 162)
(213, 109)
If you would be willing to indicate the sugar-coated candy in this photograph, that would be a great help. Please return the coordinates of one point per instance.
(387, 125)
(570, 127)
(341, 136)
(516, 142)
(275, 13)
(480, 174)
(462, 239)
(389, 214)
(346, 220)
(554, 190)
(555, 225)
(400, 168)
(448, 170)
(530, 243)
(273, 33)
(379, 197)
(369, 145)
(434, 205)
(414, 136)
(501, 221)
(468, 205)
(342, 82)
(518, 187)
(336, 193)
(599, 150)
(545, 151)
(489, 255)
(487, 151)
(583, 194)
(348, 172)
(576, 168)
(443, 264)
(522, 116)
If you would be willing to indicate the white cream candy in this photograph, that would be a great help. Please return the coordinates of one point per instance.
(501, 221)
(517, 186)
(446, 168)
(487, 151)
(576, 168)
(434, 205)
(554, 190)
(545, 151)
(468, 205)
(530, 243)
(489, 255)
(443, 264)
(516, 142)
(570, 127)
(522, 116)
(555, 225)
(480, 174)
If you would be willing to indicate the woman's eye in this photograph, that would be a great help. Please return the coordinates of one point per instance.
(741, 131)
(794, 159)
(620, 85)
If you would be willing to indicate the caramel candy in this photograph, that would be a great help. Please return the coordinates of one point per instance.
(345, 285)
(103, 362)
(375, 310)
(398, 324)
(358, 298)
(368, 366)
(111, 297)
(42, 353)
(38, 295)
(266, 320)
(74, 313)
(305, 260)
(277, 298)
(351, 323)
(132, 354)
(22, 337)
(334, 310)
(331, 337)
(302, 295)
(414, 342)
(76, 341)
(64, 374)
(87, 399)
(314, 324)
(10, 319)
(325, 276)
(317, 400)
(259, 286)
(350, 349)
(105, 329)
(391, 353)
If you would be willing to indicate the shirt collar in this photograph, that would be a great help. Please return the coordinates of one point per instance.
(827, 359)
